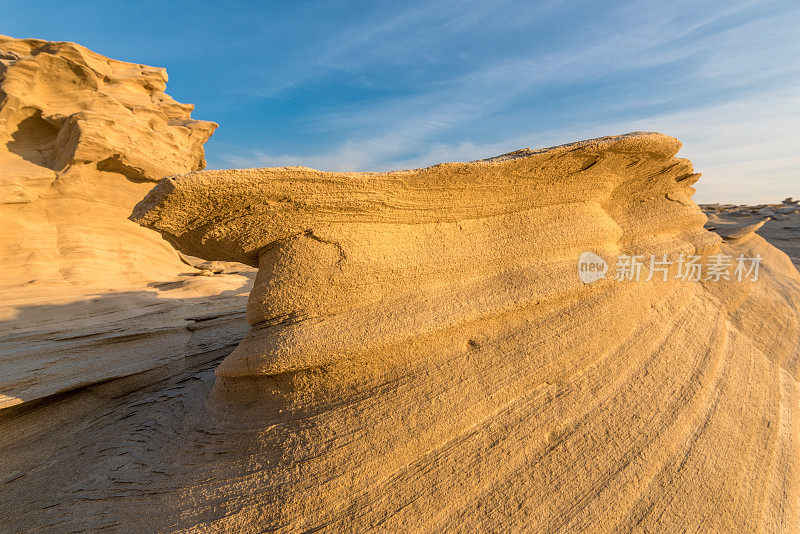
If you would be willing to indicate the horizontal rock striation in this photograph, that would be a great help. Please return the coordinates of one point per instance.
(424, 355)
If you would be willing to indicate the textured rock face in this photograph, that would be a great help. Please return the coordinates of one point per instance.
(424, 355)
(65, 105)
(82, 137)
(86, 295)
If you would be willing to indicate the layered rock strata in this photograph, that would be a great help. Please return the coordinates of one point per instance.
(423, 353)
(86, 296)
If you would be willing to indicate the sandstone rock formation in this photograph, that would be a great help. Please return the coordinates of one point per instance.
(422, 353)
(86, 295)
(82, 137)
(424, 356)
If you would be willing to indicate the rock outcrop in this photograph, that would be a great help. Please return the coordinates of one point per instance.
(467, 347)
(87, 296)
(82, 138)
(423, 354)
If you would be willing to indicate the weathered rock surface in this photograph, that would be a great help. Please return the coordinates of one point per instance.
(87, 296)
(424, 356)
(82, 138)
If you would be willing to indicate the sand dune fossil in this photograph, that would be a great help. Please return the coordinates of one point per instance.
(86, 296)
(422, 353)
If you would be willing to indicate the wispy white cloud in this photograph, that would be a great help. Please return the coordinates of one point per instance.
(740, 131)
(746, 150)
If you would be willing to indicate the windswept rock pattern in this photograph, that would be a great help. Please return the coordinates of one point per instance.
(65, 105)
(421, 352)
(87, 296)
(424, 356)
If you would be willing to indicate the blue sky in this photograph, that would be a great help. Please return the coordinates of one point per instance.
(384, 85)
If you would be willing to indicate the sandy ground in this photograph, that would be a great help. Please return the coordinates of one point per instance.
(782, 229)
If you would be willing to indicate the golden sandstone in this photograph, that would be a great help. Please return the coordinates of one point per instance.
(423, 353)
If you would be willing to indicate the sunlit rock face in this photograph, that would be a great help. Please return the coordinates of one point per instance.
(450, 348)
(82, 138)
(87, 296)
(424, 354)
